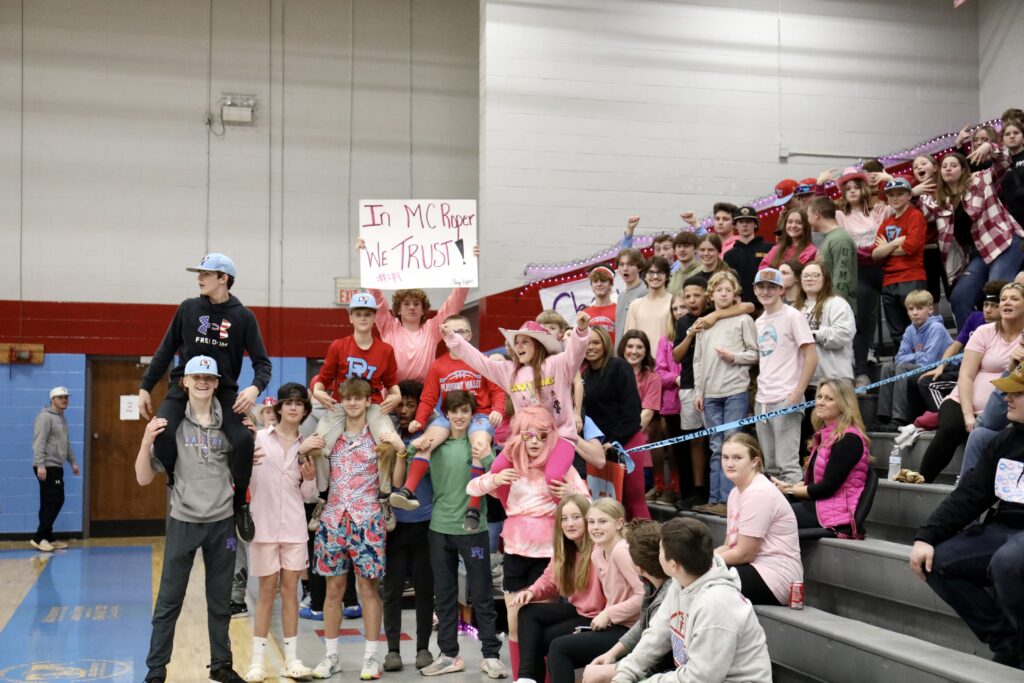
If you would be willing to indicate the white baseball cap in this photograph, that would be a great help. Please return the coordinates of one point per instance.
(59, 391)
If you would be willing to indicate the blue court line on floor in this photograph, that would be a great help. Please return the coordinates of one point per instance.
(87, 618)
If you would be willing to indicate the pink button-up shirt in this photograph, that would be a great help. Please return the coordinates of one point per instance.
(354, 480)
(278, 491)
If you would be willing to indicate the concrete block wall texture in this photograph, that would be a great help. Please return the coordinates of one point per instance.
(593, 110)
(105, 156)
(24, 391)
(1000, 55)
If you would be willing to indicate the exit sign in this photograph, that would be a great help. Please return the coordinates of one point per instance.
(344, 289)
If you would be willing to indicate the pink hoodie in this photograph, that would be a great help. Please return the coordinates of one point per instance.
(556, 384)
(588, 602)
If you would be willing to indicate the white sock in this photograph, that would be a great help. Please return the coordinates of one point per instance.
(259, 645)
(291, 649)
(370, 648)
(332, 645)
(526, 680)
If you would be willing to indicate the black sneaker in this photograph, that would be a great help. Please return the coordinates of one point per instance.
(239, 610)
(403, 499)
(225, 674)
(244, 525)
(472, 520)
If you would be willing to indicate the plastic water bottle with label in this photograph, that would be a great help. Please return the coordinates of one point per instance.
(895, 462)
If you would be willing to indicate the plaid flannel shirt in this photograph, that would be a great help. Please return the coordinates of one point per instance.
(992, 225)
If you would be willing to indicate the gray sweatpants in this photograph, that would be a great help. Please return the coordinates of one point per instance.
(241, 579)
(217, 539)
(779, 439)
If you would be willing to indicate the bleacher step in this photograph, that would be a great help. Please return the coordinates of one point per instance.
(910, 458)
(816, 645)
(900, 509)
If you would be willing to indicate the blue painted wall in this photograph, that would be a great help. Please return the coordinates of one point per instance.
(24, 391)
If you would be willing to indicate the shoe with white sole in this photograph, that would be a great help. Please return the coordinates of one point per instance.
(371, 669)
(42, 546)
(59, 545)
(493, 667)
(327, 667)
(257, 673)
(444, 665)
(296, 670)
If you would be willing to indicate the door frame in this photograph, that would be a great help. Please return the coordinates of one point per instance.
(90, 360)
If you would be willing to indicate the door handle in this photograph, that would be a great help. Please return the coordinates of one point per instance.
(95, 435)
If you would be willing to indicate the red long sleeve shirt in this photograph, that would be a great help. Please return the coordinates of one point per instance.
(345, 359)
(447, 374)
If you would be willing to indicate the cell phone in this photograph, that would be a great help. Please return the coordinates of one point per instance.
(581, 629)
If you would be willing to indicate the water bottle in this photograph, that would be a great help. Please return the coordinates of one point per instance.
(894, 461)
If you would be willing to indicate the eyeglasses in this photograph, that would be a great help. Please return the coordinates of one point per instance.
(810, 276)
(535, 436)
(655, 273)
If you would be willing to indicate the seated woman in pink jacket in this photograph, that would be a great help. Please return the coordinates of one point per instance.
(838, 466)
(623, 592)
(282, 480)
(570, 575)
(529, 497)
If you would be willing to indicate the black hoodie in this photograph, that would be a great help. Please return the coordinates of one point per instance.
(223, 332)
(976, 491)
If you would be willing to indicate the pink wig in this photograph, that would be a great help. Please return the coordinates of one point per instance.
(531, 418)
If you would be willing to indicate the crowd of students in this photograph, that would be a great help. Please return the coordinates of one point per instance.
(413, 454)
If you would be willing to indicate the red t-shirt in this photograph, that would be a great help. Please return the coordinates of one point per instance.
(447, 374)
(602, 316)
(908, 268)
(345, 359)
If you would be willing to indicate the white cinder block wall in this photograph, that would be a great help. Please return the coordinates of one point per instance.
(567, 115)
(592, 110)
(1001, 55)
(105, 181)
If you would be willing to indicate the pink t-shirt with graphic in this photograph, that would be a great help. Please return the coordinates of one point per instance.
(779, 338)
(763, 512)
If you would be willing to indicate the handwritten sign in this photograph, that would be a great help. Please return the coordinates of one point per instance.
(571, 297)
(418, 243)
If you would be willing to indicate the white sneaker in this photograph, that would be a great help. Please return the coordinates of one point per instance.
(371, 669)
(327, 667)
(257, 673)
(295, 669)
(493, 667)
(444, 665)
(59, 545)
(42, 546)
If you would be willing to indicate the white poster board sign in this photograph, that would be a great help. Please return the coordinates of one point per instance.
(130, 407)
(426, 243)
(568, 298)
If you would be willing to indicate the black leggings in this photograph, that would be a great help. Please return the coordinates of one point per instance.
(753, 586)
(576, 650)
(165, 447)
(539, 624)
(952, 432)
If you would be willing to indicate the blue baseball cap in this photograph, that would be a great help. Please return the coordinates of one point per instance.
(898, 184)
(769, 275)
(201, 365)
(362, 300)
(216, 263)
(803, 188)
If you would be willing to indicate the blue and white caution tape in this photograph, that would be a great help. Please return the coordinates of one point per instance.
(771, 414)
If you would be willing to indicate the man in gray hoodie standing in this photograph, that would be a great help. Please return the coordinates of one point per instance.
(51, 447)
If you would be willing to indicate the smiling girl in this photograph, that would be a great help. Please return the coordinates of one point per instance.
(622, 589)
(794, 242)
(761, 540)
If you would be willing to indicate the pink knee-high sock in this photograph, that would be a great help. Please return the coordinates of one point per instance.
(513, 655)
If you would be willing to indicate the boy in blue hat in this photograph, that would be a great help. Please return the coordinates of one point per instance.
(214, 324)
(201, 517)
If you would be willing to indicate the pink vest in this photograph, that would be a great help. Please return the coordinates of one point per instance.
(839, 510)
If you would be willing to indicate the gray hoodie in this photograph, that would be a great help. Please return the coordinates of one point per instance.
(51, 445)
(711, 630)
(202, 478)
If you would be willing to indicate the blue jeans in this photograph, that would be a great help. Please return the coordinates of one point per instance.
(991, 421)
(979, 556)
(968, 288)
(719, 411)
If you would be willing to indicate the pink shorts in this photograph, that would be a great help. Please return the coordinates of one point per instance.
(267, 559)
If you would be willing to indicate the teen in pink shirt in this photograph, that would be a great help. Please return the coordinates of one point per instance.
(570, 575)
(635, 348)
(281, 481)
(622, 588)
(761, 538)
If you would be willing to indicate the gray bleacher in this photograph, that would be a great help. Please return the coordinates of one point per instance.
(868, 616)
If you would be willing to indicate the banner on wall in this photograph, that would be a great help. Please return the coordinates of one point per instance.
(569, 298)
(425, 243)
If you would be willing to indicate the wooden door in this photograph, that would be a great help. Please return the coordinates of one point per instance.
(118, 506)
